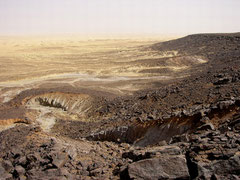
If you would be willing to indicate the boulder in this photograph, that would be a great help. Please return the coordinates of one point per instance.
(3, 173)
(20, 170)
(221, 168)
(163, 167)
(152, 152)
(223, 80)
(59, 159)
(7, 165)
(179, 138)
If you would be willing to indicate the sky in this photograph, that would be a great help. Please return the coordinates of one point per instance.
(22, 17)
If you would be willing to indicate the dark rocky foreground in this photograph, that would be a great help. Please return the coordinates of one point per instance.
(205, 154)
(188, 128)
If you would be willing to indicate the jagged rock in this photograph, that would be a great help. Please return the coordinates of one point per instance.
(137, 155)
(162, 143)
(95, 172)
(221, 167)
(59, 159)
(208, 126)
(3, 173)
(223, 80)
(22, 161)
(170, 150)
(164, 167)
(2, 169)
(235, 122)
(7, 165)
(65, 172)
(225, 104)
(20, 170)
(72, 153)
(179, 138)
(205, 120)
(85, 163)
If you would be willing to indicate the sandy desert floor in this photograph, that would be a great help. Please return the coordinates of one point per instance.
(115, 65)
(33, 58)
(109, 67)
(105, 65)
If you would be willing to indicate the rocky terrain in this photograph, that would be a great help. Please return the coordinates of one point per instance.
(184, 123)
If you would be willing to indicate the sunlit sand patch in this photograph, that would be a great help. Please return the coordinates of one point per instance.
(129, 75)
(135, 70)
(31, 63)
(10, 123)
(3, 128)
(201, 61)
(49, 107)
(44, 57)
(45, 121)
(9, 95)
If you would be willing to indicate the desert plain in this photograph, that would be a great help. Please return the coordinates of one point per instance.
(120, 108)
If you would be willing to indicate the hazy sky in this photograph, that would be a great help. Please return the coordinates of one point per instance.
(118, 16)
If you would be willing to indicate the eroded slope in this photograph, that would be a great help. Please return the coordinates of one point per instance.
(88, 130)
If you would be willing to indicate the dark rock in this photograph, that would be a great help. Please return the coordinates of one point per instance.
(7, 165)
(59, 159)
(203, 171)
(22, 161)
(235, 122)
(53, 172)
(179, 138)
(223, 80)
(208, 126)
(20, 170)
(65, 172)
(219, 166)
(162, 143)
(2, 169)
(165, 150)
(164, 167)
(204, 120)
(72, 153)
(85, 164)
(31, 157)
(225, 104)
(137, 155)
(95, 172)
(124, 175)
(235, 177)
(4, 174)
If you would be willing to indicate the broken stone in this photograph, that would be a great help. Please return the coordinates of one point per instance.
(59, 159)
(164, 167)
(7, 165)
(223, 80)
(179, 138)
(20, 170)
(208, 126)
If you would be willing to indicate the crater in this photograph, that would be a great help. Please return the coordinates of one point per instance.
(65, 106)
(155, 131)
